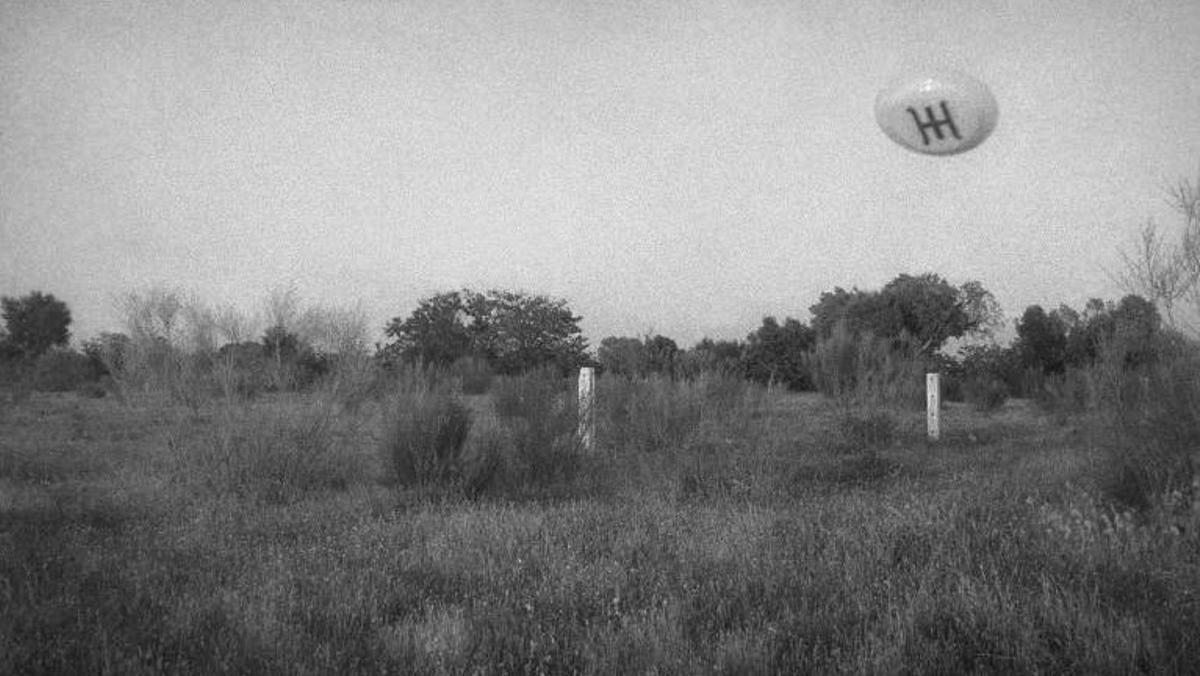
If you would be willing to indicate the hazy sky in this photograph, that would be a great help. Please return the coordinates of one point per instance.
(676, 167)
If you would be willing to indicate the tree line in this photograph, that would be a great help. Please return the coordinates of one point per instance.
(511, 332)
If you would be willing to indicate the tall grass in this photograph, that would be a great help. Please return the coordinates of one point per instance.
(861, 370)
(655, 412)
(1148, 419)
(270, 455)
(267, 538)
(537, 420)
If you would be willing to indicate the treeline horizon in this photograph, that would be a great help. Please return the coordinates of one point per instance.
(910, 319)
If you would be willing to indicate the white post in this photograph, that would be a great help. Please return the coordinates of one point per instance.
(587, 411)
(933, 401)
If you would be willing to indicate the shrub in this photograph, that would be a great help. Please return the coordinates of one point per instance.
(352, 380)
(538, 416)
(1151, 432)
(425, 432)
(984, 393)
(868, 371)
(647, 414)
(272, 456)
(656, 413)
(16, 376)
(474, 373)
(60, 370)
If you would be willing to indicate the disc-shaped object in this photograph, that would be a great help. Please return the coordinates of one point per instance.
(937, 113)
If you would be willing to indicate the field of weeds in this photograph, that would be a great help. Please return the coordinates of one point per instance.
(716, 527)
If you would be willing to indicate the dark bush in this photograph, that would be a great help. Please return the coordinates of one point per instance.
(474, 373)
(984, 393)
(61, 370)
(538, 416)
(1149, 429)
(424, 437)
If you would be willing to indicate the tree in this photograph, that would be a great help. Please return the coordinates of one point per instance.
(1158, 269)
(435, 333)
(1164, 271)
(515, 332)
(721, 356)
(924, 307)
(838, 306)
(280, 344)
(660, 354)
(106, 353)
(1041, 341)
(519, 332)
(1136, 327)
(622, 356)
(932, 311)
(35, 323)
(775, 353)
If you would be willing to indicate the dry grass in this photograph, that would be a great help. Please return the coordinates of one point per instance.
(737, 532)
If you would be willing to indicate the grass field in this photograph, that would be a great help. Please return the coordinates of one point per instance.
(771, 533)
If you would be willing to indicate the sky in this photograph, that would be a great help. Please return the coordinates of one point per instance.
(681, 168)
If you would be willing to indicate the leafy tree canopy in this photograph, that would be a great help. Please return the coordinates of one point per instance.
(1051, 341)
(1042, 339)
(660, 353)
(515, 332)
(924, 307)
(775, 353)
(35, 323)
(622, 356)
(638, 356)
(435, 333)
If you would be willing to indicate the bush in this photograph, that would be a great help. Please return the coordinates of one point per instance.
(867, 371)
(352, 380)
(274, 457)
(538, 417)
(1151, 429)
(984, 393)
(425, 432)
(475, 375)
(1066, 394)
(60, 370)
(647, 414)
(656, 413)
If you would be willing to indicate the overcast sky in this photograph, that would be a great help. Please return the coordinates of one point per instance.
(677, 167)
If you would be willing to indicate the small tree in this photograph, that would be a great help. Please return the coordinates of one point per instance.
(776, 353)
(924, 308)
(622, 356)
(435, 333)
(708, 356)
(35, 323)
(1160, 269)
(660, 354)
(520, 332)
(1041, 341)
